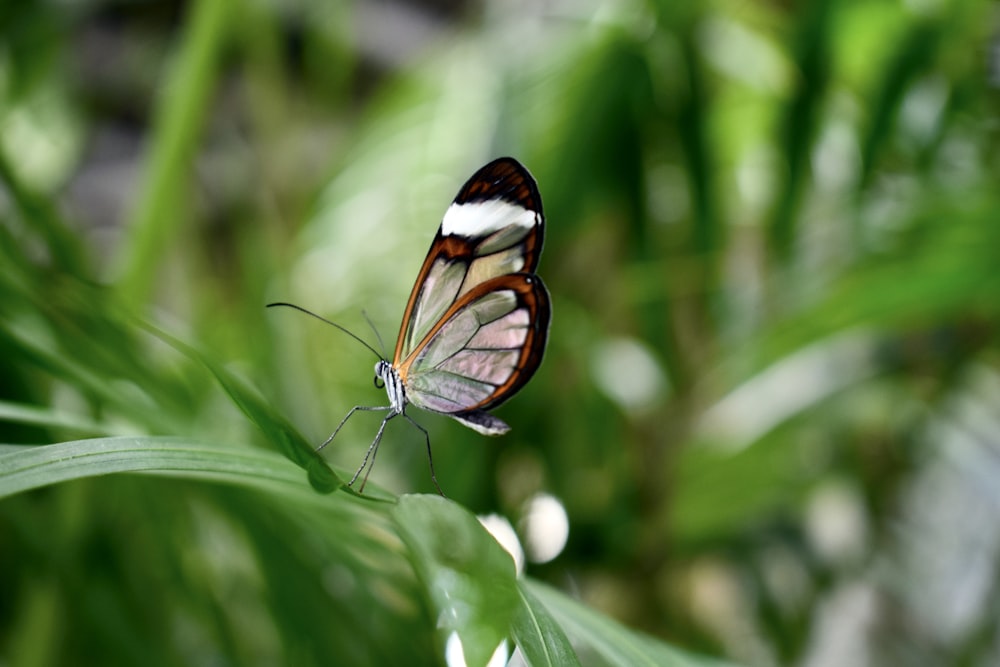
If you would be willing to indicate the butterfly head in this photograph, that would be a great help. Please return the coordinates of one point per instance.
(380, 372)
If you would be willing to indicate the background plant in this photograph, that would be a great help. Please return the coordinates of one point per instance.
(768, 405)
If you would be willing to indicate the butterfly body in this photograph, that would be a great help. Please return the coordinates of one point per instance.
(475, 325)
(389, 377)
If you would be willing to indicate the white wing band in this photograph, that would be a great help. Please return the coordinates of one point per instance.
(483, 218)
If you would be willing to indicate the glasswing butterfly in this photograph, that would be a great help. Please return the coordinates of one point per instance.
(475, 326)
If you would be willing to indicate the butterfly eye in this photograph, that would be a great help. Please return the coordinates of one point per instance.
(378, 382)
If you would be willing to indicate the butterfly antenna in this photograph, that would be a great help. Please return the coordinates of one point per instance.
(332, 324)
(378, 336)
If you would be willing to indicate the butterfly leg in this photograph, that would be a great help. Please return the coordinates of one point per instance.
(344, 421)
(430, 459)
(370, 454)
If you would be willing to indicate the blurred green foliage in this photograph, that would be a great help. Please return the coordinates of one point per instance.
(769, 404)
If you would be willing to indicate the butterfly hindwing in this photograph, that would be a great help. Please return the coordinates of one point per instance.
(492, 228)
(486, 347)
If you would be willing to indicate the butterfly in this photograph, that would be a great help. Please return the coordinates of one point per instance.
(477, 320)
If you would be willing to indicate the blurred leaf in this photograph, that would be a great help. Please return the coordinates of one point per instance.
(276, 429)
(802, 117)
(34, 345)
(44, 416)
(915, 51)
(180, 114)
(31, 34)
(41, 218)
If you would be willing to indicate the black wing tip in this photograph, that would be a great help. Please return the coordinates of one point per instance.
(481, 422)
(504, 178)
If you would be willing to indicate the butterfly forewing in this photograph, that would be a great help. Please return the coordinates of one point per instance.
(492, 228)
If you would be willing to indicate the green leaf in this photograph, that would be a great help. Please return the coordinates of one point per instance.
(614, 643)
(541, 640)
(26, 468)
(468, 577)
